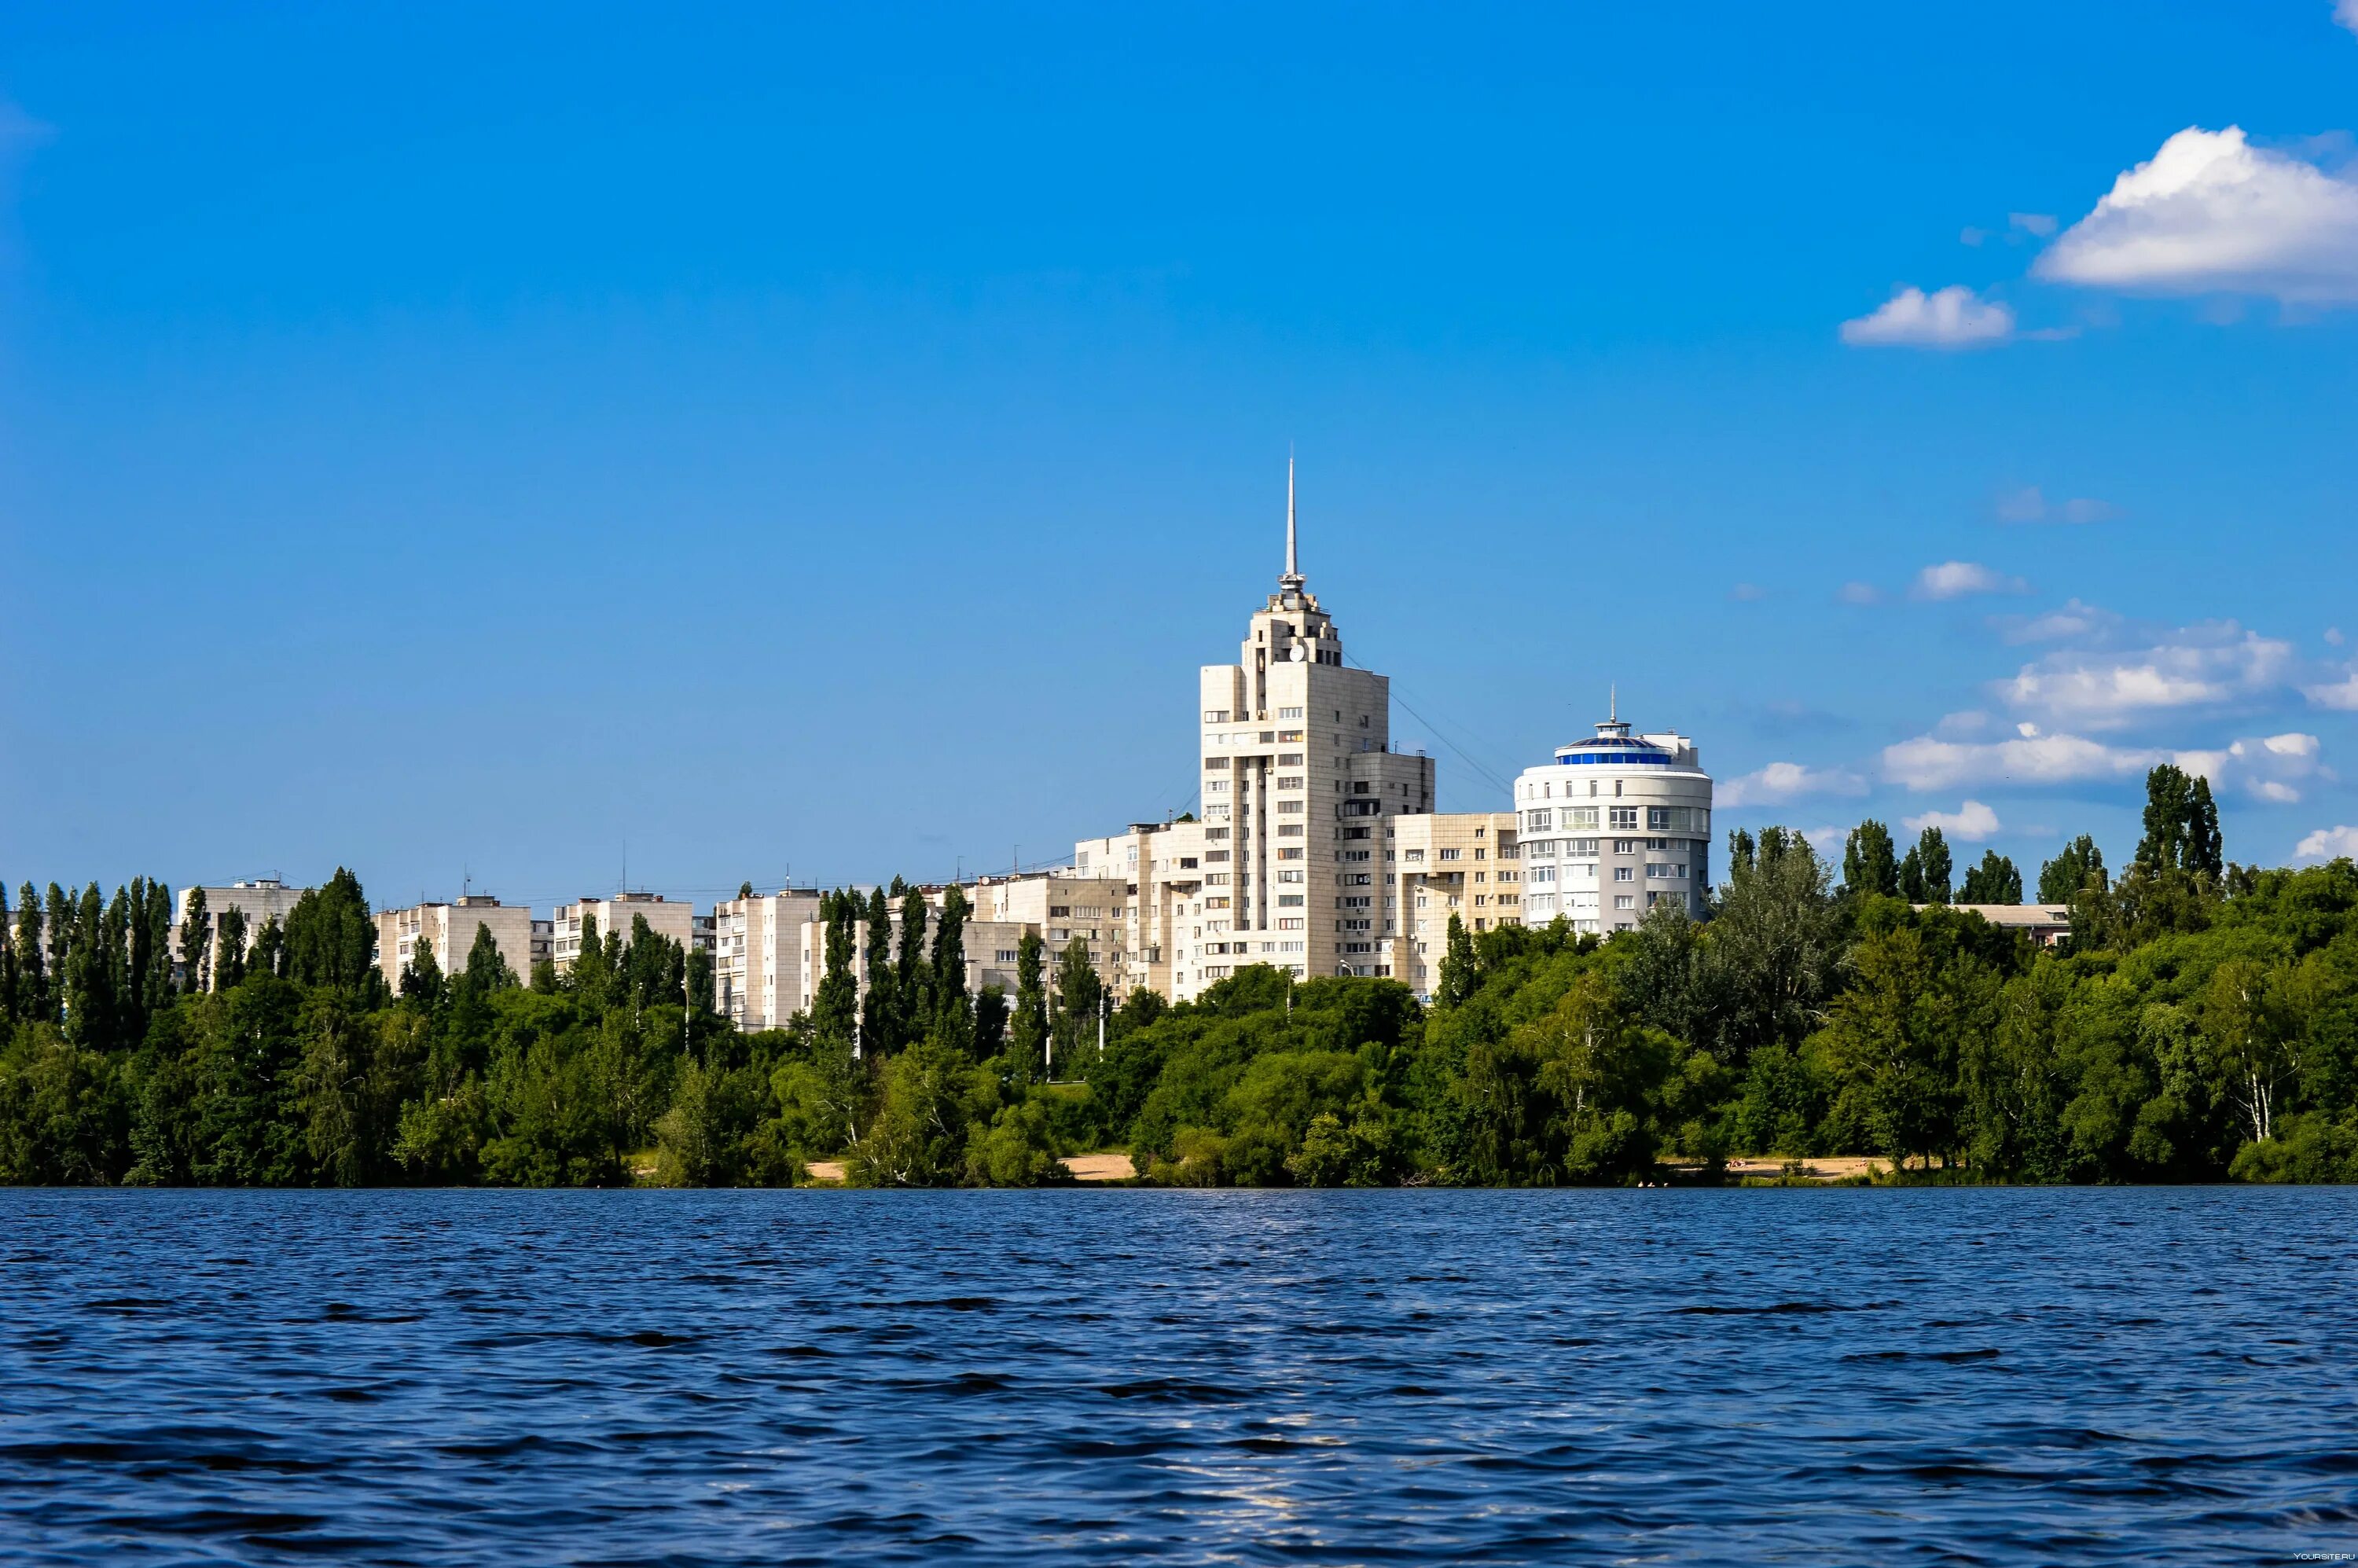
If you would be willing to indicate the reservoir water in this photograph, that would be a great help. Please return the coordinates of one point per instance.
(1843, 1375)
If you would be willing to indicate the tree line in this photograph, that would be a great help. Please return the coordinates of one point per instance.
(2200, 1023)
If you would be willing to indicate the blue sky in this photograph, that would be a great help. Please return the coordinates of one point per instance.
(762, 441)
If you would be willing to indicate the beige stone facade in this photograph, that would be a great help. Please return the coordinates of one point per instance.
(447, 930)
(664, 916)
(1456, 863)
(758, 947)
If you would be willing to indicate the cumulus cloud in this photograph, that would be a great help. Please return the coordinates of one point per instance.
(1825, 840)
(2330, 843)
(2210, 213)
(1951, 318)
(1970, 822)
(2269, 768)
(2340, 694)
(1930, 761)
(1959, 579)
(2195, 666)
(1780, 782)
(2346, 13)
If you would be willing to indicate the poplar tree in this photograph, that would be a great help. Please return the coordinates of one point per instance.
(196, 944)
(1870, 861)
(1027, 1029)
(1995, 880)
(950, 1015)
(1933, 867)
(88, 1005)
(7, 964)
(881, 1028)
(835, 1008)
(2169, 813)
(229, 963)
(1079, 994)
(32, 960)
(2206, 852)
(2061, 879)
(910, 993)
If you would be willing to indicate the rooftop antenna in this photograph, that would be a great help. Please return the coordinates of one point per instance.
(1613, 702)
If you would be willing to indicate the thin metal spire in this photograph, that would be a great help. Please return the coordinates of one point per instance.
(1292, 578)
(1613, 702)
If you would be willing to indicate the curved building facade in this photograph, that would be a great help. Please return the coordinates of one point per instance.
(1614, 826)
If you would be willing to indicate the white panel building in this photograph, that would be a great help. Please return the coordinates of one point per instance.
(1614, 826)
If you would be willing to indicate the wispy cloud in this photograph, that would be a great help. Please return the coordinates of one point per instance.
(1747, 594)
(2031, 505)
(2210, 213)
(1961, 580)
(2346, 13)
(1951, 318)
(1970, 822)
(2040, 224)
(1931, 762)
(1859, 594)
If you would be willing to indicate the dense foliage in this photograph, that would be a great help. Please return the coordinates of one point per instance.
(2200, 1023)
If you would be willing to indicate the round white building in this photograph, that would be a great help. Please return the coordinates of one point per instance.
(1613, 827)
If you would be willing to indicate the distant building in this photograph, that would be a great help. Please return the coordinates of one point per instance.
(758, 970)
(260, 900)
(1614, 826)
(447, 931)
(2045, 923)
(663, 917)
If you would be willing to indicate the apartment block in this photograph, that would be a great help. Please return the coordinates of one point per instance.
(1466, 864)
(758, 974)
(664, 916)
(447, 931)
(260, 900)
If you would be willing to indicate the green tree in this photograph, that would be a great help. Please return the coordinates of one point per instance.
(1461, 970)
(2078, 864)
(835, 1006)
(229, 964)
(1932, 866)
(34, 1000)
(1027, 1030)
(2170, 819)
(882, 1030)
(1870, 864)
(1079, 994)
(330, 935)
(1995, 880)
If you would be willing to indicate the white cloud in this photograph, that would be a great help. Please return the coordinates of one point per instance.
(2031, 505)
(2342, 694)
(1970, 822)
(2329, 843)
(1929, 763)
(2294, 744)
(1825, 840)
(2346, 13)
(2198, 667)
(1859, 593)
(2040, 224)
(2279, 793)
(1780, 782)
(1951, 318)
(1956, 579)
(2210, 213)
(2073, 619)
(1747, 594)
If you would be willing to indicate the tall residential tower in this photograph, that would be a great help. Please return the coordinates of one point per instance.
(1299, 778)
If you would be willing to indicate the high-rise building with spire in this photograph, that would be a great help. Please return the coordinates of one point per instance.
(1300, 788)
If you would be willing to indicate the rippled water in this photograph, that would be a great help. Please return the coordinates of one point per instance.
(1729, 1377)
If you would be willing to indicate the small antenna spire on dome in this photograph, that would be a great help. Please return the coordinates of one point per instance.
(1613, 702)
(1293, 579)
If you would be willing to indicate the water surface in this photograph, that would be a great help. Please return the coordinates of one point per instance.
(1847, 1376)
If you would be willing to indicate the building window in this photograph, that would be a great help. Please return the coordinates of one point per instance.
(1625, 900)
(1622, 816)
(1625, 873)
(1451, 854)
(1289, 713)
(1215, 716)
